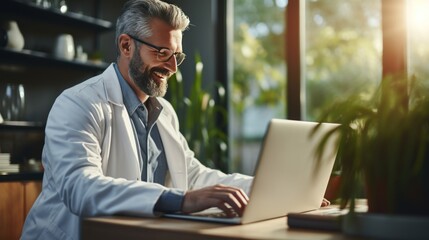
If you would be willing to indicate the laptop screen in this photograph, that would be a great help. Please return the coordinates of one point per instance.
(286, 177)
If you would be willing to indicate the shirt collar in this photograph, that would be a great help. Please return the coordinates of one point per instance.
(131, 101)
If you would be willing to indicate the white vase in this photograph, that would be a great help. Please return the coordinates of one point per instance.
(64, 47)
(15, 40)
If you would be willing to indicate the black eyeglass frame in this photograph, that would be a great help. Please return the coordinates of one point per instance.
(180, 56)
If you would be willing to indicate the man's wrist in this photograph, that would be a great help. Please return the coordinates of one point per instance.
(171, 200)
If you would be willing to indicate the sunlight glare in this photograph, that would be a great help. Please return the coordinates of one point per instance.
(418, 17)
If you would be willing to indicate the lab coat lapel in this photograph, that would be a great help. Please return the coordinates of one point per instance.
(120, 123)
(173, 150)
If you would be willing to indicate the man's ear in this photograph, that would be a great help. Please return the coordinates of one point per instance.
(125, 45)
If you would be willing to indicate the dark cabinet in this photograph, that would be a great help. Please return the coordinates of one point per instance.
(16, 199)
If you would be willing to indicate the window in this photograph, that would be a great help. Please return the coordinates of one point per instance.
(341, 53)
(257, 88)
(418, 38)
(343, 47)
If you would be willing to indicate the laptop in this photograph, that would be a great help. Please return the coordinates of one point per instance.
(287, 177)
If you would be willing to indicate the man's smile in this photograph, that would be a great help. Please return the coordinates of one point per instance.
(161, 76)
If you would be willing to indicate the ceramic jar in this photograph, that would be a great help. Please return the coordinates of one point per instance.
(13, 38)
(64, 47)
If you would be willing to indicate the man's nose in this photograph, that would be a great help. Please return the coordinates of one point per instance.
(171, 64)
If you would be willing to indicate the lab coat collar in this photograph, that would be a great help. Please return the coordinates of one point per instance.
(112, 87)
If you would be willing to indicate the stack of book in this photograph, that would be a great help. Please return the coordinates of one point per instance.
(5, 165)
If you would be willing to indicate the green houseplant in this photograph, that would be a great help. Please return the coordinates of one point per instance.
(383, 145)
(201, 118)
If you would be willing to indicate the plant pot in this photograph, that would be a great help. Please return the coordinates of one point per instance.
(412, 199)
(333, 188)
(376, 194)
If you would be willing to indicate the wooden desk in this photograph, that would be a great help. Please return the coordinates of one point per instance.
(118, 227)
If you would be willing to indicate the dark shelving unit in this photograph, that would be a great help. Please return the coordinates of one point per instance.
(21, 125)
(35, 63)
(34, 12)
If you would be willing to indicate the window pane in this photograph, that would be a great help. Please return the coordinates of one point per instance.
(258, 84)
(343, 47)
(418, 25)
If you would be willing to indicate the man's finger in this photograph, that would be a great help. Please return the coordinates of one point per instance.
(229, 199)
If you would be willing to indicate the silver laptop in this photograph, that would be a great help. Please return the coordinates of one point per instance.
(287, 177)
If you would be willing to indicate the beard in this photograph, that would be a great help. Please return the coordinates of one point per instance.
(143, 79)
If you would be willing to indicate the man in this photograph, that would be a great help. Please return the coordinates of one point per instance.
(113, 143)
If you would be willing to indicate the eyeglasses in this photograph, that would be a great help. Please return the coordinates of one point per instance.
(164, 54)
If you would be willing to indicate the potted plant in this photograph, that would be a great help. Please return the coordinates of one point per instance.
(201, 118)
(383, 145)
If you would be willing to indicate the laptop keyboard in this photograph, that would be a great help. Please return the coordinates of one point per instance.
(213, 213)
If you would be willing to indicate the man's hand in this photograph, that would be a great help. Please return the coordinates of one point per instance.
(325, 202)
(231, 200)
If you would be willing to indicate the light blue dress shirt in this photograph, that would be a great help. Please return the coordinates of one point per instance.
(153, 161)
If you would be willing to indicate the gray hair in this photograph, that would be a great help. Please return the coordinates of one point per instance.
(136, 15)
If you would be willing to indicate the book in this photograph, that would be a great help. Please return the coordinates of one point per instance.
(326, 218)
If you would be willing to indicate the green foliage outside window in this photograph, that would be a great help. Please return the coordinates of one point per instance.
(201, 119)
(342, 51)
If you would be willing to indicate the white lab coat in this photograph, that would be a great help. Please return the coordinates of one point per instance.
(92, 166)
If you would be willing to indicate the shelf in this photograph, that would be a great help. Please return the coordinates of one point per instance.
(32, 11)
(26, 57)
(21, 176)
(21, 125)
